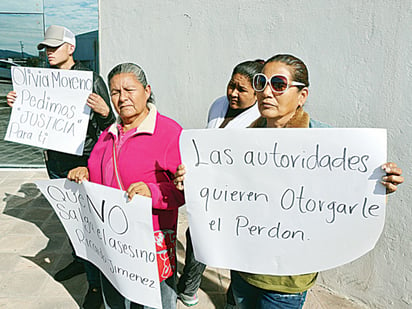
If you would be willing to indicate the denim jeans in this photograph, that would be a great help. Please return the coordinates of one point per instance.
(189, 281)
(114, 300)
(248, 296)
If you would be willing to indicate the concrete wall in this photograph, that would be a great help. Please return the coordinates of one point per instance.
(359, 54)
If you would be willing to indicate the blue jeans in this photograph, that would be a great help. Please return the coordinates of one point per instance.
(114, 300)
(248, 296)
(189, 281)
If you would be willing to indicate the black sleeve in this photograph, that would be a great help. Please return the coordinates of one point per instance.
(99, 87)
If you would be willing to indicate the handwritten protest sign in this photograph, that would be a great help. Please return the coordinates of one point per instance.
(50, 110)
(283, 201)
(115, 235)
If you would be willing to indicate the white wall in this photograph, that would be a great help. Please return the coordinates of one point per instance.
(359, 55)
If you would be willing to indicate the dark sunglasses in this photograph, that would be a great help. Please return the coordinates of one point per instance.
(278, 83)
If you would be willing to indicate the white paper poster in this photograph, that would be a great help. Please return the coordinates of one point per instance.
(283, 201)
(50, 110)
(112, 233)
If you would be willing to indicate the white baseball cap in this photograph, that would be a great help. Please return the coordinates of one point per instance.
(56, 36)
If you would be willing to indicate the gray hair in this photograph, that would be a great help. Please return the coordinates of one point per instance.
(134, 69)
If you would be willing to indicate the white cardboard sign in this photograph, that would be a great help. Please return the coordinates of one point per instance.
(283, 201)
(50, 110)
(115, 235)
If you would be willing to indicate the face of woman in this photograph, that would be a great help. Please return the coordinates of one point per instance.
(278, 108)
(129, 97)
(240, 92)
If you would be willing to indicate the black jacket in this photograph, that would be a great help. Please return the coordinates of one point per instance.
(60, 162)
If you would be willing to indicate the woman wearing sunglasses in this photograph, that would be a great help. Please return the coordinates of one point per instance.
(281, 90)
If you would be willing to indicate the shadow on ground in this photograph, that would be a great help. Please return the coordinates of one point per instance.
(32, 207)
(29, 205)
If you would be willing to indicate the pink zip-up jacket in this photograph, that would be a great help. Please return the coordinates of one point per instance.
(151, 155)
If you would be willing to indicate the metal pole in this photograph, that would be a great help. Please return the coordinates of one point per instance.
(44, 19)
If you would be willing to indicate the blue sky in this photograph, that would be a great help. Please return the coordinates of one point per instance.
(79, 16)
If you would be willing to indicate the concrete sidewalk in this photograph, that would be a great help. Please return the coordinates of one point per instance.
(33, 247)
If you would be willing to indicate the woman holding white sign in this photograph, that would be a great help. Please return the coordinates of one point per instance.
(140, 154)
(282, 90)
(237, 109)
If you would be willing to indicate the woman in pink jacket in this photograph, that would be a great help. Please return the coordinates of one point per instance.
(139, 154)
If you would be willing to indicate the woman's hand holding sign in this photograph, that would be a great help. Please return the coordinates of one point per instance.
(139, 188)
(78, 174)
(393, 177)
(179, 177)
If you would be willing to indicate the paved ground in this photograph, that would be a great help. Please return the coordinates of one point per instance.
(13, 154)
(33, 246)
